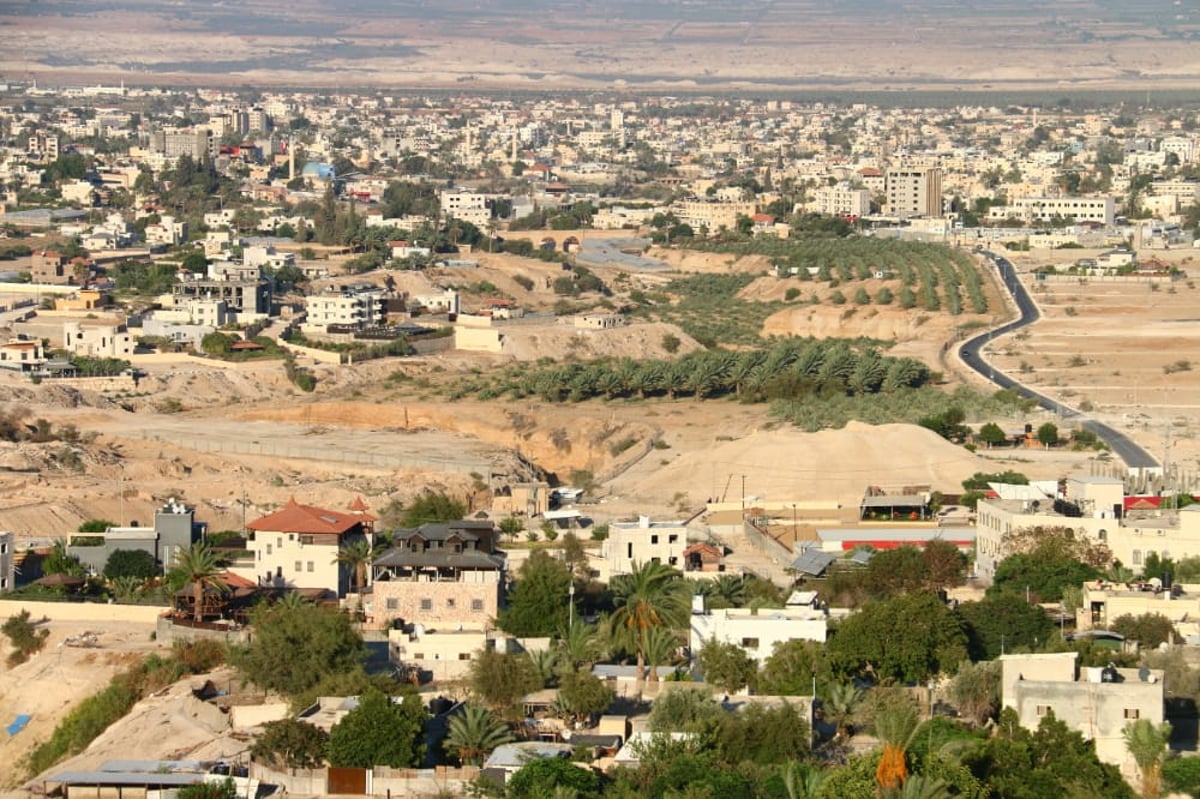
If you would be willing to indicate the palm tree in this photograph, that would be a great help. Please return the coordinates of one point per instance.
(474, 733)
(199, 568)
(839, 706)
(894, 726)
(545, 663)
(1148, 744)
(652, 595)
(357, 557)
(661, 643)
(127, 587)
(921, 787)
(803, 782)
(577, 643)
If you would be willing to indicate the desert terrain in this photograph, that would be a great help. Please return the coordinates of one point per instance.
(551, 45)
(365, 432)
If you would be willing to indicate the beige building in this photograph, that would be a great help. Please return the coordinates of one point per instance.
(297, 546)
(440, 573)
(1095, 702)
(841, 200)
(467, 206)
(712, 215)
(1104, 602)
(521, 499)
(631, 543)
(1093, 508)
(914, 192)
(1038, 209)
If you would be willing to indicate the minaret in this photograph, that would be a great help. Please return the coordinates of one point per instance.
(291, 159)
(513, 156)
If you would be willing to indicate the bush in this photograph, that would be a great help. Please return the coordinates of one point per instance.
(135, 563)
(24, 637)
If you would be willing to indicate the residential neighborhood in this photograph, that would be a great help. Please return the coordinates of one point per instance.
(443, 443)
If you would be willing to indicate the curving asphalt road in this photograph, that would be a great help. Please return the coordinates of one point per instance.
(971, 353)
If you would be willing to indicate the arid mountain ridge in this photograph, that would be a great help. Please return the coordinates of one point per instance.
(582, 44)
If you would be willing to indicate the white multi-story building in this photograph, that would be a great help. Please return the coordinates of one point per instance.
(639, 542)
(841, 200)
(465, 205)
(346, 308)
(1093, 508)
(1035, 209)
(101, 341)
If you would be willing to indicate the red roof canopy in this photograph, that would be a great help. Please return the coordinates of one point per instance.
(296, 518)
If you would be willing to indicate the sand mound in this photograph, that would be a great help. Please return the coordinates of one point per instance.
(787, 464)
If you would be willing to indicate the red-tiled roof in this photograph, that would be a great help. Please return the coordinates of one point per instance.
(296, 518)
(236, 581)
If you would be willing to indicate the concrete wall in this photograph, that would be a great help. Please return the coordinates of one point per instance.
(321, 356)
(381, 782)
(478, 339)
(243, 717)
(116, 383)
(84, 611)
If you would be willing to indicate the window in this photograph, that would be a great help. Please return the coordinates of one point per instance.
(672, 539)
(426, 604)
(297, 565)
(278, 540)
(1043, 710)
(1137, 557)
(291, 536)
(418, 656)
(653, 539)
(1132, 713)
(393, 603)
(269, 550)
(464, 655)
(750, 643)
(310, 565)
(477, 605)
(305, 539)
(450, 604)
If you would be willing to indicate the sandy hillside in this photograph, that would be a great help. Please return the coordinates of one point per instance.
(57, 678)
(785, 464)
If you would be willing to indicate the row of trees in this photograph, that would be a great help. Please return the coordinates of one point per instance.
(789, 369)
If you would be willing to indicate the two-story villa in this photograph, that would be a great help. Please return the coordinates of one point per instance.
(297, 546)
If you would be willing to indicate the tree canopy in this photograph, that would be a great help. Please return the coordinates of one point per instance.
(380, 732)
(295, 647)
(907, 638)
(539, 599)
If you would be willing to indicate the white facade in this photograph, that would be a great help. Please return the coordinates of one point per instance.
(8, 569)
(757, 631)
(841, 200)
(359, 309)
(106, 341)
(643, 541)
(467, 206)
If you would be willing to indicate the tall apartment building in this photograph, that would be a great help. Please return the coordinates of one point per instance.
(199, 143)
(914, 191)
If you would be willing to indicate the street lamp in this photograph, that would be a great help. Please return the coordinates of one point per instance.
(571, 608)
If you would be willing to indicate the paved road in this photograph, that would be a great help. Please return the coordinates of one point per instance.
(971, 352)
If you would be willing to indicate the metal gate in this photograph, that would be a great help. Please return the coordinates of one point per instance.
(347, 781)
